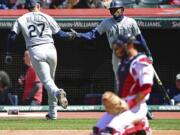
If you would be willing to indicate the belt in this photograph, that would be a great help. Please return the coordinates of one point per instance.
(33, 46)
(36, 45)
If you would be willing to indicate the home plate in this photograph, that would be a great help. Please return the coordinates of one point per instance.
(24, 114)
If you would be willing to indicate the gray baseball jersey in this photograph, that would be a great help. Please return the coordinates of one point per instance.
(113, 29)
(37, 28)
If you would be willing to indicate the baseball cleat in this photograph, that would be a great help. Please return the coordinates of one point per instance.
(48, 117)
(62, 98)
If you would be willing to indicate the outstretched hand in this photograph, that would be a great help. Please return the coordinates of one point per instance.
(72, 30)
(73, 34)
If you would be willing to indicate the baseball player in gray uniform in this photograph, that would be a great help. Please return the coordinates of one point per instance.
(117, 25)
(37, 29)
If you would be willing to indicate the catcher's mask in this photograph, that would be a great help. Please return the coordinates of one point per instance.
(120, 44)
(123, 40)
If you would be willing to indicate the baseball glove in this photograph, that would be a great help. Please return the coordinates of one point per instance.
(113, 104)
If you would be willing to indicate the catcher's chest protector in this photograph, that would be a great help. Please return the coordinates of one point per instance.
(123, 74)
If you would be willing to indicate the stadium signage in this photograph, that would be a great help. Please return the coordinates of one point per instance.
(88, 23)
(175, 24)
(6, 24)
(155, 24)
(78, 24)
(83, 108)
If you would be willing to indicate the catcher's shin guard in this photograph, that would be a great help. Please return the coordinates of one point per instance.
(141, 132)
(139, 128)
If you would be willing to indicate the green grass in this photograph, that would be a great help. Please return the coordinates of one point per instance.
(73, 124)
(165, 124)
(27, 123)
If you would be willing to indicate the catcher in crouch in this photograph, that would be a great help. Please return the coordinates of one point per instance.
(135, 80)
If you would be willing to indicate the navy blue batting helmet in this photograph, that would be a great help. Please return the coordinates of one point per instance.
(127, 38)
(116, 4)
(31, 3)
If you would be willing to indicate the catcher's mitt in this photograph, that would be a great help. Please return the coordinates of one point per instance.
(113, 104)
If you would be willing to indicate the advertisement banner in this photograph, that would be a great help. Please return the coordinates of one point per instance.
(88, 23)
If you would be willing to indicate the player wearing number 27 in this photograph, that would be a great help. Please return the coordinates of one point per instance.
(135, 80)
(38, 29)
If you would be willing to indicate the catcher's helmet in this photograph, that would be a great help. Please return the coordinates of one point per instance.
(124, 39)
(116, 4)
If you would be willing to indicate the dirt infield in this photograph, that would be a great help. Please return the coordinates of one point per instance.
(156, 115)
(166, 115)
(70, 115)
(90, 115)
